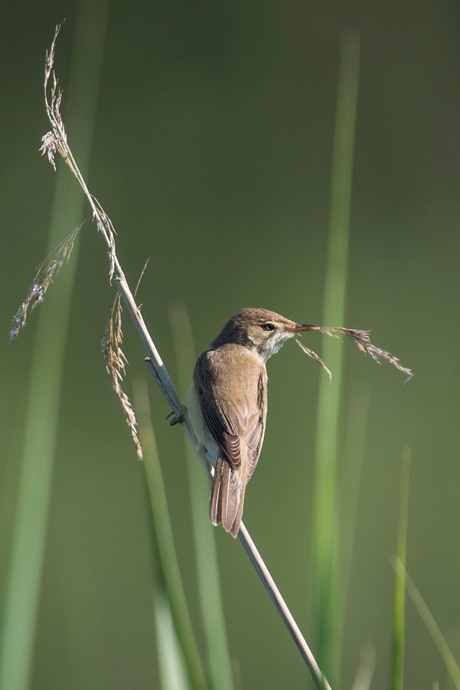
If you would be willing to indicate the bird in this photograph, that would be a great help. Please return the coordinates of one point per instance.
(227, 404)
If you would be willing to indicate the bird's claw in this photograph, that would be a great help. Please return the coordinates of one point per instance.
(175, 418)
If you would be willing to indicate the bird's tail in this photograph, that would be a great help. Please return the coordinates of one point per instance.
(227, 498)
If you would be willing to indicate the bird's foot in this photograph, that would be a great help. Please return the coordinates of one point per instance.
(176, 418)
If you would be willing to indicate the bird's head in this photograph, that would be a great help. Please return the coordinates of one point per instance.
(261, 330)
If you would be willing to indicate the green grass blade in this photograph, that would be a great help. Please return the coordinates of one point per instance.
(31, 513)
(431, 625)
(206, 556)
(353, 460)
(170, 660)
(365, 672)
(399, 622)
(325, 500)
(164, 545)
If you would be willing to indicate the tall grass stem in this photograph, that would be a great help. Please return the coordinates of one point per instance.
(353, 456)
(433, 628)
(399, 621)
(326, 537)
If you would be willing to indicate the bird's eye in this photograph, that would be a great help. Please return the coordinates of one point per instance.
(268, 327)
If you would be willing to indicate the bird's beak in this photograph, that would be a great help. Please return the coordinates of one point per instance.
(301, 327)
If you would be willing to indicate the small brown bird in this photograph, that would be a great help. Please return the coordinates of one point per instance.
(227, 404)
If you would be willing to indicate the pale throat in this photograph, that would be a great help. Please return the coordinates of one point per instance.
(272, 346)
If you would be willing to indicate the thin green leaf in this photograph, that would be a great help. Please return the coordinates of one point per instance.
(325, 585)
(431, 625)
(171, 665)
(399, 621)
(164, 545)
(365, 671)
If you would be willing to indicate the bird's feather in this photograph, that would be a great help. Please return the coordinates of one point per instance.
(234, 410)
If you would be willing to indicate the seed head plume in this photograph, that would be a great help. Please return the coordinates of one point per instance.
(44, 276)
(363, 342)
(115, 363)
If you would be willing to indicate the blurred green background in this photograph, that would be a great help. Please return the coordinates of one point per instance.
(212, 154)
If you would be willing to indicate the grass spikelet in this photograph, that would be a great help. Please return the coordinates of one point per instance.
(115, 363)
(44, 276)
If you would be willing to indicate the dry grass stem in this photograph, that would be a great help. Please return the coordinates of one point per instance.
(313, 355)
(139, 281)
(363, 342)
(46, 273)
(56, 141)
(115, 363)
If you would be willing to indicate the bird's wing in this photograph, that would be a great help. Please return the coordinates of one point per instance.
(235, 420)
